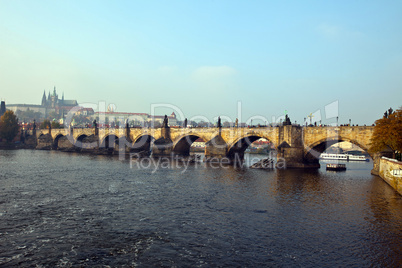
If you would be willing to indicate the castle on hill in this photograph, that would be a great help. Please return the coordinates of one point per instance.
(53, 107)
(50, 104)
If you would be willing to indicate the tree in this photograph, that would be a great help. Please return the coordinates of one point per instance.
(388, 132)
(55, 124)
(45, 124)
(8, 126)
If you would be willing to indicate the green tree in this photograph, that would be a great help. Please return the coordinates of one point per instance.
(388, 133)
(56, 124)
(8, 126)
(45, 124)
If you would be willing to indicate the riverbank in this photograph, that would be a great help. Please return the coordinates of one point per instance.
(391, 172)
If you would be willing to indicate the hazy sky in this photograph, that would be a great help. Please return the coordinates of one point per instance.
(206, 56)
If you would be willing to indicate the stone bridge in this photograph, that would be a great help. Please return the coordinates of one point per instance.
(299, 146)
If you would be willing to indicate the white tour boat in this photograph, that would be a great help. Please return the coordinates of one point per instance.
(345, 157)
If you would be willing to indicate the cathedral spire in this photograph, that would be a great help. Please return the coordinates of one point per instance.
(44, 98)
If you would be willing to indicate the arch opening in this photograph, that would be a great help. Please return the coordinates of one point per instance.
(109, 142)
(56, 141)
(85, 142)
(143, 145)
(343, 149)
(198, 146)
(252, 145)
(81, 142)
(185, 145)
(81, 137)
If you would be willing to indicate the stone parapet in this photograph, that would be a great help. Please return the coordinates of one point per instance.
(391, 172)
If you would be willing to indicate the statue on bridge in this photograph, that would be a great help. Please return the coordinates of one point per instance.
(185, 123)
(237, 122)
(95, 125)
(165, 122)
(287, 121)
(219, 122)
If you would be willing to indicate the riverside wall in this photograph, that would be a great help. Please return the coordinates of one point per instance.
(391, 172)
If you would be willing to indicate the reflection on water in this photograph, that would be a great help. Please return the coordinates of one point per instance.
(59, 209)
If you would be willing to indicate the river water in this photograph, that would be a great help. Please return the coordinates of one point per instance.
(65, 209)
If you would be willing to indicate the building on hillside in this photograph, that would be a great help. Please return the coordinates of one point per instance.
(157, 120)
(119, 118)
(36, 109)
(60, 107)
(51, 106)
(111, 118)
(85, 111)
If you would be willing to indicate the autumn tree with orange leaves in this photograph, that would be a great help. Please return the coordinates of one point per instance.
(388, 133)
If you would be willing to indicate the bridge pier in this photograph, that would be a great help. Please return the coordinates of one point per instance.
(164, 145)
(123, 145)
(216, 149)
(45, 142)
(142, 145)
(291, 153)
(294, 158)
(63, 143)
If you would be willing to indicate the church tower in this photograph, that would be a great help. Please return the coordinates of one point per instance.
(54, 98)
(44, 99)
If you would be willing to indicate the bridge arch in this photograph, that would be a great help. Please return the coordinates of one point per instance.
(109, 141)
(45, 135)
(56, 141)
(79, 142)
(239, 146)
(86, 142)
(183, 144)
(81, 137)
(142, 143)
(313, 151)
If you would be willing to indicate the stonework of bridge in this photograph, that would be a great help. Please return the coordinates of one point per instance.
(298, 146)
